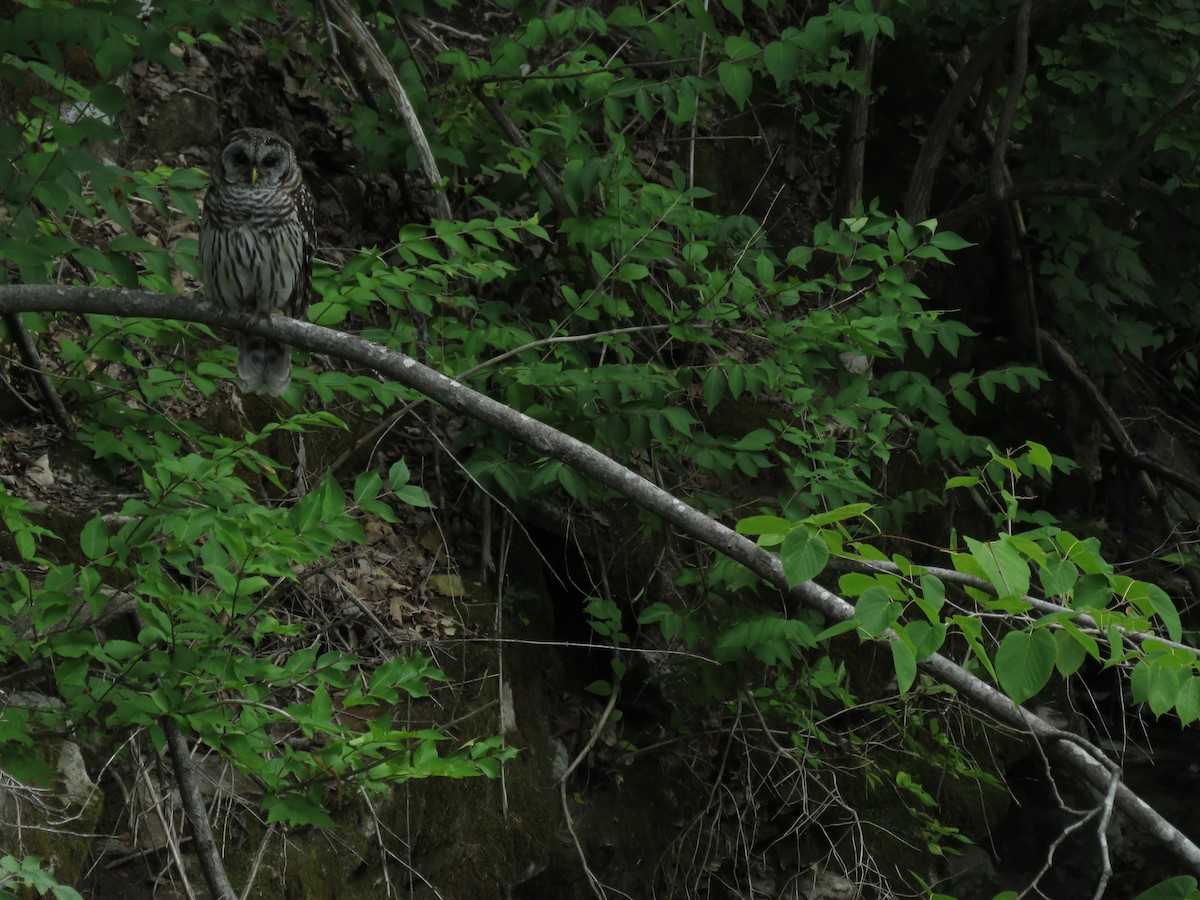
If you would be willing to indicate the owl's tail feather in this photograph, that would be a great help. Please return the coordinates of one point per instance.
(264, 366)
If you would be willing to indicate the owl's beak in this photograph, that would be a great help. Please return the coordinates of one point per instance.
(253, 174)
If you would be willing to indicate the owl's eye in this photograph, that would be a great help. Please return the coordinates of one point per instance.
(270, 161)
(239, 158)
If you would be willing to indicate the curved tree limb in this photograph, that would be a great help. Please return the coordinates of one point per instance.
(379, 61)
(1085, 759)
(547, 178)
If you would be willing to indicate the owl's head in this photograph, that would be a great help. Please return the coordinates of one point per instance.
(255, 156)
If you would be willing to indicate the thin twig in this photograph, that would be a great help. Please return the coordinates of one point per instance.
(33, 360)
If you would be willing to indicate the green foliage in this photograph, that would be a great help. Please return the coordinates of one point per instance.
(28, 874)
(788, 380)
(196, 549)
(1182, 887)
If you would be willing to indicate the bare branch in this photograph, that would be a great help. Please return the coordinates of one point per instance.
(1016, 84)
(547, 178)
(362, 34)
(1186, 100)
(854, 153)
(193, 803)
(920, 186)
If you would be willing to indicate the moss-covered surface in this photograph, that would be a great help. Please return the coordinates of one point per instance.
(58, 826)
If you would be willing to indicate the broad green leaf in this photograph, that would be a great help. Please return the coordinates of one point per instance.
(1187, 705)
(837, 628)
(716, 388)
(1091, 592)
(803, 556)
(296, 809)
(1070, 654)
(906, 665)
(1156, 685)
(1181, 887)
(1025, 662)
(926, 639)
(737, 82)
(1057, 576)
(1165, 609)
(933, 596)
(1082, 638)
(366, 487)
(948, 240)
(841, 514)
(782, 60)
(94, 538)
(764, 525)
(1004, 567)
(875, 611)
(1040, 457)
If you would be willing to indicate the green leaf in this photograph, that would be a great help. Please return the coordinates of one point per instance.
(599, 687)
(737, 82)
(875, 611)
(933, 596)
(1156, 685)
(906, 665)
(764, 525)
(716, 388)
(1005, 568)
(113, 56)
(926, 639)
(1181, 887)
(841, 514)
(1040, 457)
(1187, 704)
(1091, 592)
(94, 538)
(803, 556)
(1165, 609)
(366, 487)
(296, 809)
(948, 240)
(1025, 662)
(1057, 576)
(782, 61)
(1070, 654)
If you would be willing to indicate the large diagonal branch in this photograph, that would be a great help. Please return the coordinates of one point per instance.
(1084, 758)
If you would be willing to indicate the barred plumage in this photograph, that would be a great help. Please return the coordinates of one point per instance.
(256, 246)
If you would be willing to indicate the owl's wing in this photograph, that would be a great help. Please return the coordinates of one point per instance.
(302, 293)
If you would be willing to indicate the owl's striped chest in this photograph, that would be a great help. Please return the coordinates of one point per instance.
(253, 265)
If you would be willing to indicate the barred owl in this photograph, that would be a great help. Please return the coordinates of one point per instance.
(256, 247)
